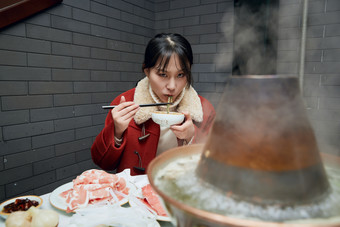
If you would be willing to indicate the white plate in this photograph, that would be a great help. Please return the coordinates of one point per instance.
(59, 202)
(30, 197)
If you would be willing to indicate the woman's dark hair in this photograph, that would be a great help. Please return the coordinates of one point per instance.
(160, 49)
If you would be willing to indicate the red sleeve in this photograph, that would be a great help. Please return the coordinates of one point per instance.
(103, 151)
(202, 129)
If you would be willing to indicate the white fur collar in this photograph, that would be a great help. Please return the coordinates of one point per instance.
(188, 101)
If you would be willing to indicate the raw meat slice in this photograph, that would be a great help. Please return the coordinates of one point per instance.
(153, 200)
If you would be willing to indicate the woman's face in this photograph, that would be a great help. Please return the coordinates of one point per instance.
(169, 82)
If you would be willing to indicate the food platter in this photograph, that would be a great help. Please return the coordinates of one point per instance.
(30, 197)
(59, 203)
(134, 183)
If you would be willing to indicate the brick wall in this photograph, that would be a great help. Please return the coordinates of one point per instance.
(321, 79)
(57, 68)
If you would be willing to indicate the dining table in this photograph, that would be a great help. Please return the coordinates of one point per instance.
(65, 217)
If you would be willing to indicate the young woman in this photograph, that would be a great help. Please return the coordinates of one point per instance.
(130, 139)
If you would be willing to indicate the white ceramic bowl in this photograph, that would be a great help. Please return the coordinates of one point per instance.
(167, 119)
(30, 197)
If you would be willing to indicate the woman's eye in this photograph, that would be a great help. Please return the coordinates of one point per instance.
(162, 74)
(181, 75)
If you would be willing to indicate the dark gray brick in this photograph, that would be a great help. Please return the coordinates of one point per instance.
(40, 19)
(333, 5)
(72, 123)
(89, 17)
(224, 47)
(132, 57)
(70, 50)
(162, 6)
(213, 77)
(105, 32)
(88, 131)
(62, 10)
(287, 68)
(85, 4)
(105, 76)
(13, 88)
(105, 54)
(225, 7)
(290, 33)
(200, 10)
(133, 77)
(83, 155)
(205, 87)
(71, 99)
(120, 45)
(310, 102)
(119, 25)
(329, 103)
(313, 55)
(212, 38)
(27, 157)
(183, 4)
(331, 79)
(322, 67)
(13, 146)
(37, 88)
(289, 21)
(87, 109)
(47, 33)
(70, 25)
(2, 193)
(288, 56)
(26, 102)
(14, 117)
(332, 55)
(89, 40)
(123, 66)
(324, 18)
(24, 44)
(203, 68)
(200, 29)
(316, 6)
(163, 24)
(185, 21)
(332, 30)
(87, 63)
(290, 44)
(73, 146)
(70, 75)
(89, 87)
(88, 164)
(170, 14)
(28, 129)
(68, 171)
(41, 60)
(204, 48)
(120, 86)
(29, 183)
(215, 18)
(133, 38)
(12, 58)
(1, 163)
(54, 163)
(24, 73)
(18, 29)
(106, 97)
(99, 119)
(315, 31)
(52, 138)
(51, 113)
(15, 174)
(104, 10)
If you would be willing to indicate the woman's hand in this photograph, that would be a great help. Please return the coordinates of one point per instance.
(122, 115)
(186, 130)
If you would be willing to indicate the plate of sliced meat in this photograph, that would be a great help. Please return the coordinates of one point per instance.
(91, 187)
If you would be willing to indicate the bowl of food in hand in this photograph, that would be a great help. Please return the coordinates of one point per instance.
(21, 203)
(166, 119)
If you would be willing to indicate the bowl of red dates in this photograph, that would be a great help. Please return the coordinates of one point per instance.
(21, 203)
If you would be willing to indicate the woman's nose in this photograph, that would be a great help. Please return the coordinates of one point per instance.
(171, 84)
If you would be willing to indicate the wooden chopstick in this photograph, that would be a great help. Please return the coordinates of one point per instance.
(142, 105)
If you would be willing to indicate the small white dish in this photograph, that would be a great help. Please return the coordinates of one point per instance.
(30, 197)
(167, 119)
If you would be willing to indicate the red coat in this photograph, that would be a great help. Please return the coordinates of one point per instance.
(109, 157)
